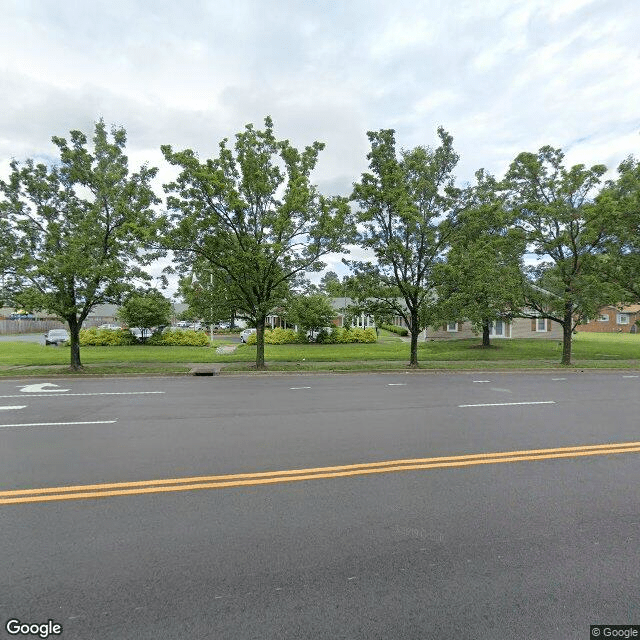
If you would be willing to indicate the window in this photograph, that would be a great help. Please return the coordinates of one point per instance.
(496, 329)
(452, 326)
(623, 318)
(603, 317)
(541, 324)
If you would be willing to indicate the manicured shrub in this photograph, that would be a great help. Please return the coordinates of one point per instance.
(276, 336)
(94, 337)
(354, 334)
(401, 331)
(180, 338)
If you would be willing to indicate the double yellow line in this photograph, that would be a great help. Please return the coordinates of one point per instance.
(80, 492)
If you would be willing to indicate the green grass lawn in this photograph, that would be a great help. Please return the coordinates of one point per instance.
(589, 349)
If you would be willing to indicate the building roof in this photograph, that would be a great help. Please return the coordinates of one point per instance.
(630, 308)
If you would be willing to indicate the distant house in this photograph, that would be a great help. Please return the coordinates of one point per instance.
(343, 308)
(539, 328)
(614, 319)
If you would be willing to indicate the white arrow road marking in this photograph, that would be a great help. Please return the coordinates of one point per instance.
(18, 406)
(40, 388)
(54, 424)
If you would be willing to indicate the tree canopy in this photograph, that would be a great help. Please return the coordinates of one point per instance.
(407, 211)
(78, 227)
(481, 279)
(254, 218)
(145, 308)
(554, 207)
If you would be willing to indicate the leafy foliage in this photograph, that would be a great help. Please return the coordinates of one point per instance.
(95, 337)
(179, 338)
(145, 309)
(619, 204)
(276, 336)
(77, 227)
(311, 312)
(252, 216)
(401, 331)
(481, 279)
(407, 211)
(566, 231)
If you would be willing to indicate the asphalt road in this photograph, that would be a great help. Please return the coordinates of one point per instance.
(539, 544)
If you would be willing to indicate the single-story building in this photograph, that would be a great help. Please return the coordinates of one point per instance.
(540, 328)
(614, 319)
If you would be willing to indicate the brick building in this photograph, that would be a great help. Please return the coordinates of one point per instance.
(614, 319)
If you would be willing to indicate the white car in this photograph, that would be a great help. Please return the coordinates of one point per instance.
(246, 333)
(140, 333)
(112, 327)
(56, 336)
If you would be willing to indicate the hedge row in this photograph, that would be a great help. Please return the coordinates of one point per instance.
(276, 336)
(335, 336)
(94, 337)
(179, 338)
(401, 331)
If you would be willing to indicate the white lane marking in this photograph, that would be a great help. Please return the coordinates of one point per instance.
(556, 379)
(18, 406)
(104, 393)
(54, 424)
(506, 404)
(397, 384)
(40, 388)
(482, 381)
(296, 388)
(631, 376)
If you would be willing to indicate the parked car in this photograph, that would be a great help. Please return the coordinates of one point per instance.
(56, 336)
(140, 333)
(183, 324)
(112, 327)
(246, 333)
(196, 326)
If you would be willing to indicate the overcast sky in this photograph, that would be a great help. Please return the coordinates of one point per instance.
(502, 76)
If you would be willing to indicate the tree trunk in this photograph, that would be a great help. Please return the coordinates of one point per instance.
(260, 344)
(567, 326)
(486, 327)
(74, 333)
(414, 330)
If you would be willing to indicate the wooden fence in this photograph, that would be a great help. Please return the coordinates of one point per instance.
(13, 327)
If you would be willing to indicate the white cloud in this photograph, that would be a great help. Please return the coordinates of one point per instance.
(502, 77)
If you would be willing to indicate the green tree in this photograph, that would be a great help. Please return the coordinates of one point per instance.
(407, 214)
(311, 312)
(481, 279)
(253, 217)
(7, 258)
(145, 309)
(554, 207)
(619, 204)
(78, 227)
(331, 285)
(207, 294)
